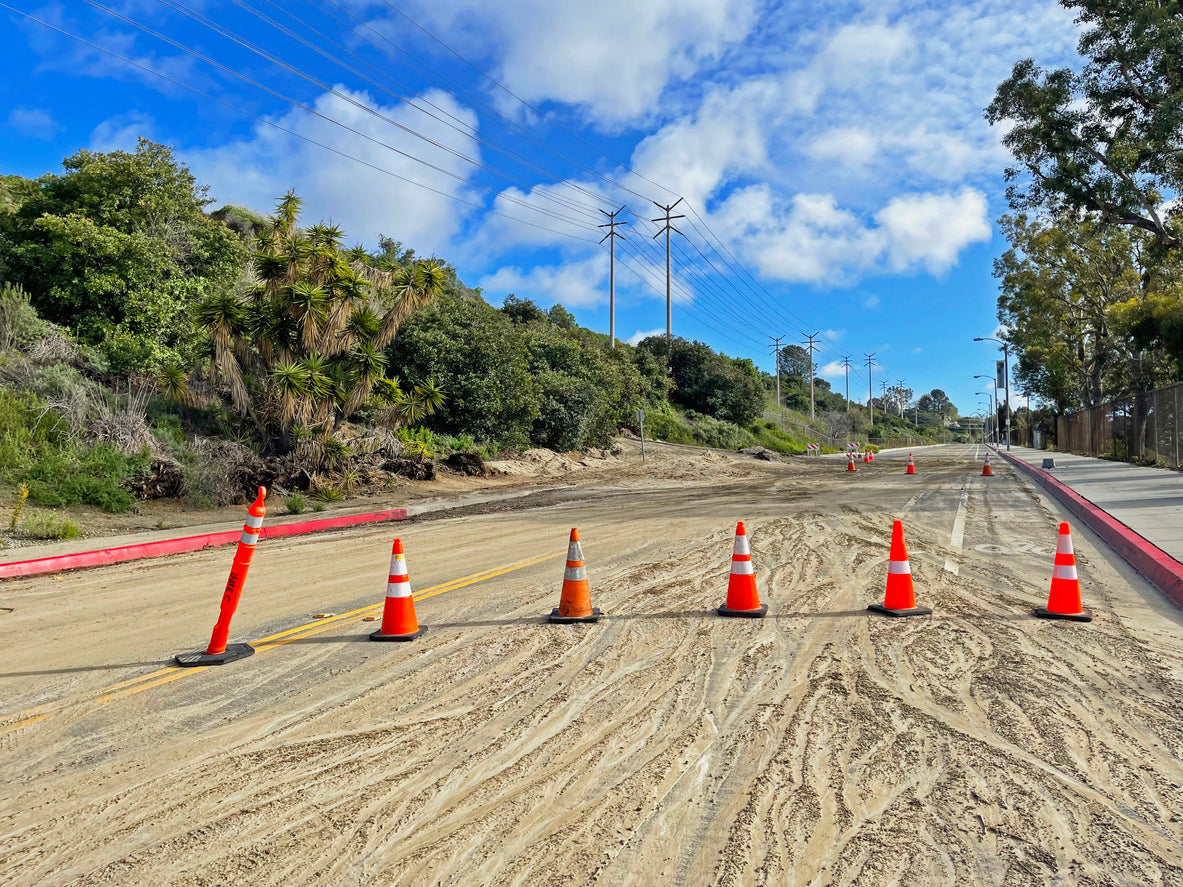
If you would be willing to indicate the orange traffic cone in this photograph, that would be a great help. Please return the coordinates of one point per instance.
(900, 599)
(987, 471)
(1064, 600)
(850, 462)
(398, 616)
(870, 455)
(911, 469)
(575, 600)
(866, 456)
(742, 597)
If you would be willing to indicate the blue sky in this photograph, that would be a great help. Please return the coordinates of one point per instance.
(836, 170)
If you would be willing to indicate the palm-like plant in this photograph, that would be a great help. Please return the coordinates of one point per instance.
(300, 349)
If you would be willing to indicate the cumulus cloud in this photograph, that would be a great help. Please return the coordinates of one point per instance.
(364, 200)
(639, 335)
(122, 132)
(578, 284)
(612, 58)
(932, 229)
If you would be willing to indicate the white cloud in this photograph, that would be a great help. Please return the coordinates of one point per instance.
(871, 302)
(848, 146)
(122, 132)
(363, 200)
(833, 370)
(572, 285)
(34, 123)
(639, 335)
(613, 58)
(932, 229)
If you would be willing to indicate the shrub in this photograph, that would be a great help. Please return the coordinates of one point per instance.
(295, 503)
(43, 525)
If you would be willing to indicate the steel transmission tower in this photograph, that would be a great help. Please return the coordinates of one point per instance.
(870, 391)
(809, 342)
(611, 238)
(776, 350)
(667, 226)
(846, 363)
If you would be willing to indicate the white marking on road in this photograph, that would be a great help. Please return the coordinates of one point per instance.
(958, 529)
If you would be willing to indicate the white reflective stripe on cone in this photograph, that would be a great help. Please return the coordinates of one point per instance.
(574, 552)
(1064, 571)
(899, 567)
(575, 573)
(248, 538)
(398, 565)
(254, 522)
(1064, 544)
(398, 589)
(741, 568)
(741, 545)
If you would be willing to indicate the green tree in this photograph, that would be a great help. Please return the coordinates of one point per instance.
(117, 248)
(1109, 139)
(302, 348)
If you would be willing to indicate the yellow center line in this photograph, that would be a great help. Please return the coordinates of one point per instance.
(172, 673)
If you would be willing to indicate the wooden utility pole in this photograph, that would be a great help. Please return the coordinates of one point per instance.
(667, 227)
(611, 238)
(846, 363)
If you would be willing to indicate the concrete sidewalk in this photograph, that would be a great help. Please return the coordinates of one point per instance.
(1147, 500)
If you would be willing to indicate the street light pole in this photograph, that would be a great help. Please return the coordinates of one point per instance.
(1006, 378)
(993, 407)
(993, 399)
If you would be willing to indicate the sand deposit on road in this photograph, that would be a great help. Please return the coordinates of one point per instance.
(664, 745)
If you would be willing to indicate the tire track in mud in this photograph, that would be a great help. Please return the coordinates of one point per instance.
(819, 746)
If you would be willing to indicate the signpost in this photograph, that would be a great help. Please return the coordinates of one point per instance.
(641, 424)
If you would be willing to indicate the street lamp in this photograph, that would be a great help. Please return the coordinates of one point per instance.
(989, 394)
(1006, 378)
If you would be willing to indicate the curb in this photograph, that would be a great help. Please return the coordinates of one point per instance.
(1163, 571)
(163, 547)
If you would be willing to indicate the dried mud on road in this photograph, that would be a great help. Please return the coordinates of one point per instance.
(664, 745)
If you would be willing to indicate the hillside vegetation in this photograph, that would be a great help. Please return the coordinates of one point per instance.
(151, 348)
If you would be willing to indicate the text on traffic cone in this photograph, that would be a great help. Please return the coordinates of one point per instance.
(238, 571)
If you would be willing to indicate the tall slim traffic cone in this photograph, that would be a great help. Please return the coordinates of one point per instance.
(900, 599)
(987, 471)
(575, 599)
(866, 456)
(850, 462)
(219, 652)
(742, 597)
(911, 469)
(398, 615)
(1063, 601)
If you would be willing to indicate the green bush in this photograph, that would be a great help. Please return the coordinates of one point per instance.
(42, 525)
(295, 503)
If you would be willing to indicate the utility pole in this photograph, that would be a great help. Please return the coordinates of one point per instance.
(809, 343)
(776, 351)
(667, 227)
(611, 238)
(870, 391)
(846, 363)
(900, 384)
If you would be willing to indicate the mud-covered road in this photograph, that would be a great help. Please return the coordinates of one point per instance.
(822, 745)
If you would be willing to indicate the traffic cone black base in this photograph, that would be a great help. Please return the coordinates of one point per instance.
(232, 653)
(1082, 616)
(744, 614)
(567, 620)
(914, 611)
(410, 636)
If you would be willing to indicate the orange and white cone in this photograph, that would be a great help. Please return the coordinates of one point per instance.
(867, 456)
(850, 461)
(575, 599)
(1063, 601)
(900, 599)
(987, 471)
(398, 616)
(911, 469)
(742, 597)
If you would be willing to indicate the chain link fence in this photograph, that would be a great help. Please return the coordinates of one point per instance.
(1143, 427)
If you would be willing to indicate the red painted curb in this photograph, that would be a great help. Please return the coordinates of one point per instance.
(164, 547)
(1160, 568)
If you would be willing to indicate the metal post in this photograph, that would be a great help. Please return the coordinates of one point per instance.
(809, 342)
(667, 221)
(611, 238)
(1006, 370)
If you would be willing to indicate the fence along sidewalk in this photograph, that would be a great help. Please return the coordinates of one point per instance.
(1143, 427)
